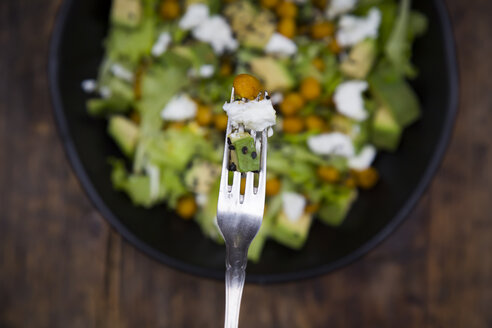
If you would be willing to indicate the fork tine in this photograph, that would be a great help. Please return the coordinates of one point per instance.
(224, 179)
(236, 185)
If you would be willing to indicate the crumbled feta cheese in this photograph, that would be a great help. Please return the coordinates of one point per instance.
(363, 159)
(334, 143)
(353, 29)
(280, 45)
(201, 199)
(207, 70)
(105, 92)
(89, 86)
(339, 7)
(179, 108)
(195, 14)
(161, 45)
(293, 205)
(348, 99)
(217, 33)
(276, 98)
(255, 115)
(121, 72)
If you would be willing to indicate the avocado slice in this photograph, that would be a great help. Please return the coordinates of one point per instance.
(273, 73)
(386, 133)
(124, 132)
(334, 212)
(392, 91)
(360, 59)
(292, 234)
(243, 152)
(126, 12)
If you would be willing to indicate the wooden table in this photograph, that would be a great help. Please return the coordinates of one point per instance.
(61, 265)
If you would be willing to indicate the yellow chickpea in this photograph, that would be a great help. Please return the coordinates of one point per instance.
(186, 207)
(287, 27)
(292, 125)
(314, 123)
(220, 122)
(286, 9)
(310, 88)
(246, 86)
(367, 178)
(269, 4)
(225, 69)
(204, 115)
(322, 30)
(272, 186)
(169, 9)
(291, 104)
(311, 208)
(328, 174)
(350, 182)
(335, 47)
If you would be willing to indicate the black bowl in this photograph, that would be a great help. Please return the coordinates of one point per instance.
(76, 51)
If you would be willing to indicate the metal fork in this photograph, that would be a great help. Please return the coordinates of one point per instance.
(239, 218)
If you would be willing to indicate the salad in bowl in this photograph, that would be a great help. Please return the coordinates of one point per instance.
(337, 72)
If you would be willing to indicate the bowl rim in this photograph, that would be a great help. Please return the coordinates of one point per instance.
(81, 174)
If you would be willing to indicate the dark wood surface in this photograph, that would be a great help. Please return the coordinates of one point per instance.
(61, 265)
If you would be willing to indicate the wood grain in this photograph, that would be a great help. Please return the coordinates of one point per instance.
(61, 265)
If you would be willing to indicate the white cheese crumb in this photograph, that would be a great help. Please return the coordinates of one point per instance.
(348, 99)
(280, 45)
(334, 143)
(339, 7)
(161, 45)
(179, 108)
(293, 205)
(363, 159)
(276, 98)
(105, 92)
(353, 29)
(217, 33)
(207, 70)
(201, 199)
(195, 14)
(121, 72)
(255, 115)
(89, 86)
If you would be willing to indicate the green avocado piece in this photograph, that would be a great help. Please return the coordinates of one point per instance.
(292, 234)
(244, 154)
(126, 12)
(386, 133)
(334, 212)
(275, 75)
(124, 132)
(360, 59)
(392, 91)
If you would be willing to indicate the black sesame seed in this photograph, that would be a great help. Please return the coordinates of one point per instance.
(244, 150)
(229, 141)
(253, 155)
(231, 147)
(232, 167)
(267, 97)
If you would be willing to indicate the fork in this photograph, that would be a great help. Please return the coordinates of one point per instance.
(239, 219)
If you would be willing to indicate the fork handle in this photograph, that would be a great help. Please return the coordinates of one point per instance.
(236, 261)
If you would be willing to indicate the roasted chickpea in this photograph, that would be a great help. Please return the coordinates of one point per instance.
(204, 115)
(220, 122)
(367, 178)
(291, 104)
(322, 30)
(350, 182)
(186, 207)
(292, 125)
(286, 9)
(272, 186)
(328, 174)
(314, 123)
(311, 208)
(287, 27)
(246, 86)
(334, 46)
(310, 88)
(225, 69)
(169, 9)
